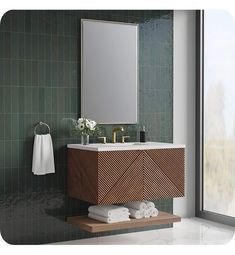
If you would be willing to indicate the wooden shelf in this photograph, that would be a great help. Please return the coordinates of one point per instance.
(95, 226)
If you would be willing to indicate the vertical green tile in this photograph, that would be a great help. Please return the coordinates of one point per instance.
(66, 75)
(15, 122)
(25, 151)
(74, 74)
(20, 46)
(48, 99)
(1, 68)
(8, 154)
(60, 100)
(14, 22)
(13, 43)
(41, 73)
(7, 39)
(27, 15)
(41, 47)
(59, 22)
(34, 22)
(15, 153)
(21, 66)
(2, 154)
(28, 102)
(74, 45)
(68, 24)
(2, 126)
(7, 127)
(2, 177)
(1, 100)
(16, 99)
(14, 180)
(15, 72)
(6, 72)
(53, 23)
(27, 76)
(25, 126)
(41, 93)
(54, 48)
(21, 99)
(74, 100)
(54, 78)
(35, 73)
(67, 97)
(7, 180)
(34, 46)
(48, 74)
(60, 74)
(54, 100)
(28, 44)
(35, 100)
(66, 48)
(53, 125)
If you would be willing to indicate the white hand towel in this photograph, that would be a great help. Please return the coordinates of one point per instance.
(43, 156)
(147, 213)
(154, 212)
(136, 214)
(118, 216)
(107, 219)
(149, 204)
(108, 210)
(138, 205)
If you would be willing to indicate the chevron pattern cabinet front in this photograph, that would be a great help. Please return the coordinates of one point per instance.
(109, 177)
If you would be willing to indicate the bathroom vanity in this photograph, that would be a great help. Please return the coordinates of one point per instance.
(121, 172)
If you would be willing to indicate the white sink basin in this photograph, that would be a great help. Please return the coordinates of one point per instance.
(124, 146)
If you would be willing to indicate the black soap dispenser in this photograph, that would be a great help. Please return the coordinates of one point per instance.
(142, 135)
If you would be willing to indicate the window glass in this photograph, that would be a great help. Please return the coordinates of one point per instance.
(219, 113)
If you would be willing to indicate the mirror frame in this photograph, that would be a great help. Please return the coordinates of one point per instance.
(137, 67)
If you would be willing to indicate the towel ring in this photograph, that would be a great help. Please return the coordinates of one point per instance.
(40, 124)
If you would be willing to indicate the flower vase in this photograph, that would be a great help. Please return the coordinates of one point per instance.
(84, 139)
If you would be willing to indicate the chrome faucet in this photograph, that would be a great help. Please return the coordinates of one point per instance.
(114, 131)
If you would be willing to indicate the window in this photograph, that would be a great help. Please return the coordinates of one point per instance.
(217, 117)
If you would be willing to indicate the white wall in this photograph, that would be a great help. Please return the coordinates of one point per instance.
(184, 103)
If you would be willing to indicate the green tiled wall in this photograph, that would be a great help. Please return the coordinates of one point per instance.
(40, 81)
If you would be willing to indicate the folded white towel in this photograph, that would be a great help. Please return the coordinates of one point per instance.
(149, 204)
(43, 156)
(147, 213)
(108, 219)
(138, 205)
(154, 212)
(136, 214)
(108, 210)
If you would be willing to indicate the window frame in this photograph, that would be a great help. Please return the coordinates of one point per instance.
(200, 212)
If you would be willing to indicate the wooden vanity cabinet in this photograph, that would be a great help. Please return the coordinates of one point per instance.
(109, 177)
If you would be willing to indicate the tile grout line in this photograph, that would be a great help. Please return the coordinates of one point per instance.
(39, 60)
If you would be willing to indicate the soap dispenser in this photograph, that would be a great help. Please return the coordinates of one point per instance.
(142, 135)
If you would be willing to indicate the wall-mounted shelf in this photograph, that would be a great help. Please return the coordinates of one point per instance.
(95, 226)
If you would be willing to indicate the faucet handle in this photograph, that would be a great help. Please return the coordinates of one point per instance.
(104, 140)
(124, 137)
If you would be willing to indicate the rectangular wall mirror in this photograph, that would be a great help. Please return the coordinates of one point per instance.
(109, 92)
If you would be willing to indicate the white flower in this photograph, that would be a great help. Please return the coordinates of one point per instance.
(80, 120)
(84, 125)
(88, 124)
(92, 124)
(81, 126)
